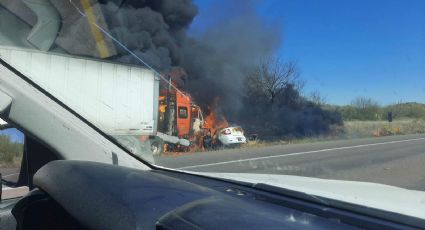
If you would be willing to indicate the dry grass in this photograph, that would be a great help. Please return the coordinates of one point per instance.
(264, 143)
(352, 130)
(358, 129)
(10, 160)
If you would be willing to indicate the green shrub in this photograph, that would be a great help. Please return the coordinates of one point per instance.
(10, 152)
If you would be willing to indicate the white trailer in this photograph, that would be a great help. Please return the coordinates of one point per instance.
(121, 100)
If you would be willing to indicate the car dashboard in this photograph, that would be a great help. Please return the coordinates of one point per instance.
(89, 195)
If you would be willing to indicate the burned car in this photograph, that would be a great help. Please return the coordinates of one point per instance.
(230, 136)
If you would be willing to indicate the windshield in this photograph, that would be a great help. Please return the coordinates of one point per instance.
(329, 89)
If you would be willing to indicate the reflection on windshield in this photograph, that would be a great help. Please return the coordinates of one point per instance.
(195, 86)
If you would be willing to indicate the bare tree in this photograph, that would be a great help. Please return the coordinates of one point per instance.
(272, 77)
(317, 98)
(364, 103)
(366, 108)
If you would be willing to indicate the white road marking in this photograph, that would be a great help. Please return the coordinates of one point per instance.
(300, 153)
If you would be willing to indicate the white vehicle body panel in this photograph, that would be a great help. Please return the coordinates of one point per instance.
(40, 116)
(235, 137)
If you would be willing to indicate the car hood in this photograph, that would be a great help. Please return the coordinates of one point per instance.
(373, 195)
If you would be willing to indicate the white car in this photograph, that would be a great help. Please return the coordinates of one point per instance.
(231, 136)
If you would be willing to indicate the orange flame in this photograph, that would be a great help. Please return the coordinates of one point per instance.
(215, 119)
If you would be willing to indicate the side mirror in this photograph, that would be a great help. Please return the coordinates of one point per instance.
(13, 163)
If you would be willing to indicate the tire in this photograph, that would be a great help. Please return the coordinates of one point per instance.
(157, 146)
(218, 145)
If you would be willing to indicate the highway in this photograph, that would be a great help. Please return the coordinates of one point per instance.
(394, 160)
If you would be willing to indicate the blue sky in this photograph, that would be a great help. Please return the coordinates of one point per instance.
(14, 134)
(345, 49)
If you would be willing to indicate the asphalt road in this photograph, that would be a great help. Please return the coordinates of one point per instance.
(10, 174)
(395, 160)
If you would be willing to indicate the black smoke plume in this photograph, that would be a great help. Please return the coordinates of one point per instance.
(155, 30)
(216, 58)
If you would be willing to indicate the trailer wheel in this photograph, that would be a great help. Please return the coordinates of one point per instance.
(157, 146)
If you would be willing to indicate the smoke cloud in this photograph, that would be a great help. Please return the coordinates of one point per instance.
(154, 30)
(216, 58)
(226, 52)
